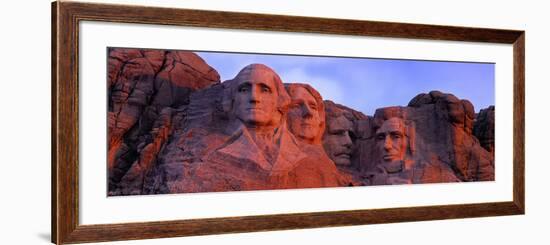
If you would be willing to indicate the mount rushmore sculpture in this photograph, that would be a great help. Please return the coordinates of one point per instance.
(174, 127)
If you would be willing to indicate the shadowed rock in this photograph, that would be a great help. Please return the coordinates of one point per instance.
(344, 128)
(146, 89)
(484, 128)
(397, 159)
(443, 134)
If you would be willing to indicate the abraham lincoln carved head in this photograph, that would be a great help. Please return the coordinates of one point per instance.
(394, 140)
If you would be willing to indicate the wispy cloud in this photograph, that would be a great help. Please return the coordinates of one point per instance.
(368, 84)
(329, 89)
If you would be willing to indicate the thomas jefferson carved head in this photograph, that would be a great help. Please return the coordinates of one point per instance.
(306, 113)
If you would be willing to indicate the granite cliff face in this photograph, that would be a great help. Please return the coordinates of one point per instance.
(174, 128)
(147, 92)
(443, 126)
(214, 151)
(484, 128)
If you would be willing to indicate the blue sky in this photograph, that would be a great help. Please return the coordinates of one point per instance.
(367, 84)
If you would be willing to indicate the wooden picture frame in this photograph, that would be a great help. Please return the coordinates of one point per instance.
(65, 121)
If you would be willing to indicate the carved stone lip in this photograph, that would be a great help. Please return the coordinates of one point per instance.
(389, 156)
(343, 154)
(254, 109)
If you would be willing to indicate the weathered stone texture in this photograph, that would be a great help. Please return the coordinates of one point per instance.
(170, 131)
(443, 134)
(146, 88)
(484, 128)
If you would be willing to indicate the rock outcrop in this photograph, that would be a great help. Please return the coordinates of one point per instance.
(146, 88)
(484, 128)
(170, 131)
(443, 135)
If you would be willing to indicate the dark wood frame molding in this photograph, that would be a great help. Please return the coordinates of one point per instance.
(65, 136)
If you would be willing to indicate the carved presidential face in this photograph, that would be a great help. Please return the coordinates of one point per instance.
(255, 98)
(337, 140)
(304, 118)
(391, 140)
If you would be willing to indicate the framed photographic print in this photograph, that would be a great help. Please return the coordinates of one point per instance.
(175, 122)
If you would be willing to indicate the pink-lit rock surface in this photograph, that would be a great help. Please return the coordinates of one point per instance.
(173, 127)
(219, 150)
(443, 126)
(145, 89)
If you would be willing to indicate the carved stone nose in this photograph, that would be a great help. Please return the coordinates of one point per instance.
(307, 111)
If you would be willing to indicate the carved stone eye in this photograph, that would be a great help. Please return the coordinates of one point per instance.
(265, 89)
(243, 89)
